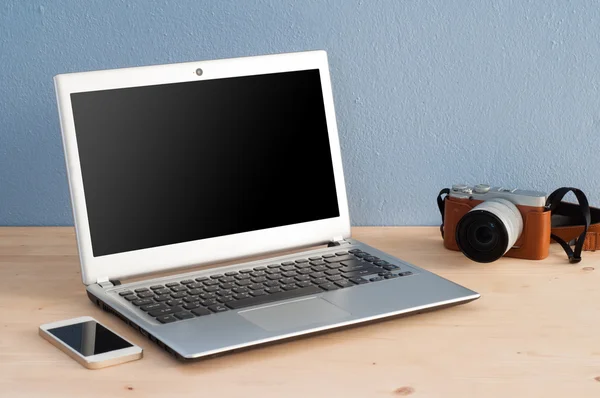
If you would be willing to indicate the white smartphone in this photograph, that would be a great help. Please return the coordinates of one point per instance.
(90, 343)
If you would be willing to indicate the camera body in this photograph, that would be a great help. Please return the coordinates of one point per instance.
(486, 223)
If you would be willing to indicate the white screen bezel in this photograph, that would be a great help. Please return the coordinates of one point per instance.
(123, 352)
(169, 257)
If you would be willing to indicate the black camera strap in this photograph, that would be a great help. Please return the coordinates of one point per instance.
(441, 206)
(553, 202)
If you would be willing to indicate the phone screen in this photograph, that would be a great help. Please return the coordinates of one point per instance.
(89, 338)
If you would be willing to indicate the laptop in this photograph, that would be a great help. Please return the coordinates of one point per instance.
(173, 167)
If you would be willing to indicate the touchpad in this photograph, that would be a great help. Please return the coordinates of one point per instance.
(294, 314)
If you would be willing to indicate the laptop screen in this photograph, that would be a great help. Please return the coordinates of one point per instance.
(173, 163)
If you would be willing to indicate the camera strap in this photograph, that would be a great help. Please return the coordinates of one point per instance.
(441, 206)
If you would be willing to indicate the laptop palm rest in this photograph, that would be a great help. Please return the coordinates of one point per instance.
(295, 314)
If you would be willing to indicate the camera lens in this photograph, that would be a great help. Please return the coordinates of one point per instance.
(199, 72)
(489, 230)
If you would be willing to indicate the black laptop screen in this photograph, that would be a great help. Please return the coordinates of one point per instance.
(174, 163)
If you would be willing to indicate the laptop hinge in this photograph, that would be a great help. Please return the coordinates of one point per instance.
(337, 241)
(104, 282)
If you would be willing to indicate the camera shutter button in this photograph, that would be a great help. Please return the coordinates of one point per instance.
(459, 187)
(482, 188)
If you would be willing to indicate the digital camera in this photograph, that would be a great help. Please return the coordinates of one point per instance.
(486, 223)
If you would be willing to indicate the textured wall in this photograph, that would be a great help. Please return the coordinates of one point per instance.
(427, 92)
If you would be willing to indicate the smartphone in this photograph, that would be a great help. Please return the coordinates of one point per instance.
(90, 343)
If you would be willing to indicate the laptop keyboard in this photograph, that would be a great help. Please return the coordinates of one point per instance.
(205, 295)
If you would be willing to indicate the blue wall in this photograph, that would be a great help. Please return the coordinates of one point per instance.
(427, 92)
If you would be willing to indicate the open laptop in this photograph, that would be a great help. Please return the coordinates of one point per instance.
(198, 163)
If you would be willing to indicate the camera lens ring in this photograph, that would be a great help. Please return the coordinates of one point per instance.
(489, 230)
(465, 236)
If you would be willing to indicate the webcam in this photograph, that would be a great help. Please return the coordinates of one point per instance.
(199, 72)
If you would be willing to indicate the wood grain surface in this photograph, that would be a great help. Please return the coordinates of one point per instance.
(535, 332)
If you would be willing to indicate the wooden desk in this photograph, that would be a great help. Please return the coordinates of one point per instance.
(535, 332)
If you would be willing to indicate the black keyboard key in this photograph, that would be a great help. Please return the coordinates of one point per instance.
(260, 279)
(278, 296)
(320, 262)
(362, 272)
(303, 283)
(131, 297)
(259, 292)
(195, 285)
(241, 277)
(162, 291)
(390, 267)
(211, 282)
(225, 292)
(275, 277)
(354, 251)
(319, 268)
(217, 276)
(178, 295)
(256, 286)
(245, 271)
(329, 286)
(156, 287)
(245, 282)
(335, 265)
(301, 278)
(201, 278)
(271, 284)
(319, 281)
(172, 284)
(303, 266)
(339, 259)
(227, 286)
(332, 272)
(218, 308)
(391, 276)
(165, 311)
(376, 279)
(166, 319)
(231, 273)
(258, 273)
(174, 302)
(314, 258)
(152, 307)
(191, 299)
(289, 274)
(273, 266)
(206, 303)
(142, 290)
(405, 273)
(288, 263)
(359, 281)
(201, 311)
(334, 278)
(125, 293)
(183, 315)
(317, 275)
(241, 296)
(385, 273)
(208, 295)
(370, 258)
(355, 263)
(194, 292)
(300, 261)
(241, 289)
(187, 281)
(288, 268)
(272, 290)
(341, 253)
(328, 255)
(286, 281)
(291, 286)
(344, 283)
(211, 289)
(162, 297)
(271, 271)
(259, 268)
(305, 271)
(225, 299)
(146, 294)
(227, 279)
(142, 302)
(179, 288)
(361, 254)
